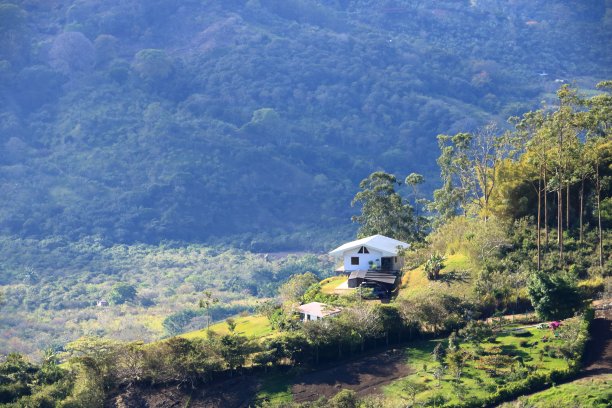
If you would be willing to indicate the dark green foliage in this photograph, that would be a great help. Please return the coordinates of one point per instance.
(121, 293)
(234, 349)
(476, 332)
(31, 385)
(554, 296)
(16, 375)
(252, 122)
(383, 210)
(176, 322)
(153, 66)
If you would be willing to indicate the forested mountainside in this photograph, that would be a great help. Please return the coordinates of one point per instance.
(149, 120)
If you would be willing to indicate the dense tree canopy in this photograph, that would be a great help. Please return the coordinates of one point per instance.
(151, 120)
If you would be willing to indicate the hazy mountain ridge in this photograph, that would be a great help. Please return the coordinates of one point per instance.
(143, 121)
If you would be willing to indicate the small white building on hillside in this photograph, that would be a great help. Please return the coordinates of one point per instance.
(376, 252)
(316, 311)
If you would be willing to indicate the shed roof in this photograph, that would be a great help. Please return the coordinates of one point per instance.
(388, 246)
(374, 276)
(318, 309)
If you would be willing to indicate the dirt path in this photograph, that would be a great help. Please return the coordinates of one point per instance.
(598, 355)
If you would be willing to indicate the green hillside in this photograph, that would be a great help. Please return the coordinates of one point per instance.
(252, 122)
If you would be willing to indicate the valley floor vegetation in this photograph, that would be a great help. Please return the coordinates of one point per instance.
(53, 291)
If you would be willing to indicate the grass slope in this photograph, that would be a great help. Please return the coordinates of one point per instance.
(253, 327)
(329, 285)
(588, 392)
(455, 278)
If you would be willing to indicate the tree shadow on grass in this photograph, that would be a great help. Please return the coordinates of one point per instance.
(454, 277)
(513, 351)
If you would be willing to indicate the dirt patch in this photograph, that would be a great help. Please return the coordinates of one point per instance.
(236, 392)
(365, 376)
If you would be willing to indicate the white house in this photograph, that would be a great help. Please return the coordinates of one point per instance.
(372, 253)
(316, 311)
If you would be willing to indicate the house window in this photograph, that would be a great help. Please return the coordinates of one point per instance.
(363, 250)
(395, 259)
(354, 260)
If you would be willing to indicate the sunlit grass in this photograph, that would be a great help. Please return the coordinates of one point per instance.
(329, 285)
(275, 389)
(595, 392)
(253, 327)
(455, 278)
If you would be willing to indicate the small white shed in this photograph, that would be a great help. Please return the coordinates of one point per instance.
(316, 311)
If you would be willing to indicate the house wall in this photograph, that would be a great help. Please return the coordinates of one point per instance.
(364, 259)
(354, 283)
(399, 264)
(306, 317)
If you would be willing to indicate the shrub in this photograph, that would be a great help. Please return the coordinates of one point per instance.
(554, 297)
(433, 266)
(344, 399)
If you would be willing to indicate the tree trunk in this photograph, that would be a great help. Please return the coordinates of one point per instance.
(486, 197)
(581, 210)
(598, 187)
(567, 206)
(539, 212)
(545, 211)
(560, 221)
(559, 171)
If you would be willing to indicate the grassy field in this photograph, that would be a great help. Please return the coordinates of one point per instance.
(455, 278)
(275, 390)
(252, 326)
(588, 392)
(478, 378)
